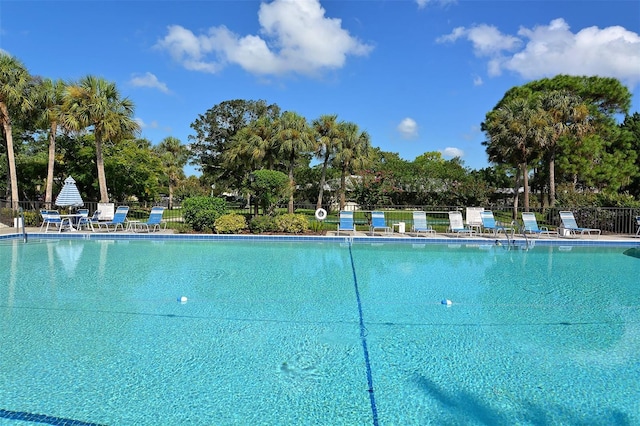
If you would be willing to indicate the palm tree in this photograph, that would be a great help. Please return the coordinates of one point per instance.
(568, 116)
(174, 157)
(294, 137)
(352, 154)
(95, 102)
(51, 97)
(14, 84)
(515, 130)
(327, 131)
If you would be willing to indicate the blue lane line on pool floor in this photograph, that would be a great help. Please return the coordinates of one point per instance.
(42, 418)
(363, 339)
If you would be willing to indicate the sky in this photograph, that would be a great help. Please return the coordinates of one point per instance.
(417, 75)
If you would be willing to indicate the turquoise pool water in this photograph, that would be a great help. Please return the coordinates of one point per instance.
(317, 333)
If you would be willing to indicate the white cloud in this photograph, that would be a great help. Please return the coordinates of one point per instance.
(548, 50)
(423, 3)
(477, 81)
(408, 128)
(452, 152)
(295, 36)
(149, 80)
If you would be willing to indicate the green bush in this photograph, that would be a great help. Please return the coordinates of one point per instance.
(201, 212)
(262, 224)
(291, 223)
(31, 218)
(230, 224)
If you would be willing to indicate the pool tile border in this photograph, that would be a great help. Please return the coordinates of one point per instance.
(318, 238)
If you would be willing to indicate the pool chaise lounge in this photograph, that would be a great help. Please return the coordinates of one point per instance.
(346, 223)
(489, 224)
(420, 224)
(531, 226)
(119, 219)
(378, 222)
(456, 225)
(570, 225)
(153, 223)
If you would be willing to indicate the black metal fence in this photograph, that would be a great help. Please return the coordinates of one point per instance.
(611, 220)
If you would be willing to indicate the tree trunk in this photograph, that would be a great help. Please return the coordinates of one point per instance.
(343, 189)
(48, 197)
(102, 179)
(6, 124)
(292, 183)
(552, 180)
(323, 179)
(516, 191)
(525, 183)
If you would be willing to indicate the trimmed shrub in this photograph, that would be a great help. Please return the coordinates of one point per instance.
(291, 223)
(262, 224)
(230, 224)
(201, 212)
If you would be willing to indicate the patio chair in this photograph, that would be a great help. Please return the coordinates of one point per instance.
(489, 224)
(473, 219)
(378, 222)
(87, 222)
(571, 226)
(119, 219)
(52, 217)
(638, 223)
(420, 223)
(456, 225)
(154, 222)
(531, 226)
(346, 223)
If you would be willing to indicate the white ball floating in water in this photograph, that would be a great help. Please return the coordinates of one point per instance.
(446, 302)
(182, 299)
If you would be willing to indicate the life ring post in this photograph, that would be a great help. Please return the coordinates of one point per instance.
(321, 214)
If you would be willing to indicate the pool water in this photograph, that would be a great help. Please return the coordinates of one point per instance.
(317, 334)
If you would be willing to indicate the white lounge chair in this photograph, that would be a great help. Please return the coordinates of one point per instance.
(420, 223)
(456, 225)
(569, 223)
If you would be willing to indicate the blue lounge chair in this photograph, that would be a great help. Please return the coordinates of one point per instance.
(420, 223)
(456, 224)
(154, 222)
(638, 223)
(119, 219)
(531, 226)
(378, 222)
(571, 226)
(489, 224)
(346, 222)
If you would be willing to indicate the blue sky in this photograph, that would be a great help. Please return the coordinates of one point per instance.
(418, 75)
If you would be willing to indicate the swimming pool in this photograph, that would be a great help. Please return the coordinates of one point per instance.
(317, 333)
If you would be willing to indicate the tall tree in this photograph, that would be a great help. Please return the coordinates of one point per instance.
(353, 154)
(14, 83)
(50, 97)
(295, 138)
(568, 116)
(215, 130)
(95, 102)
(512, 137)
(327, 132)
(174, 156)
